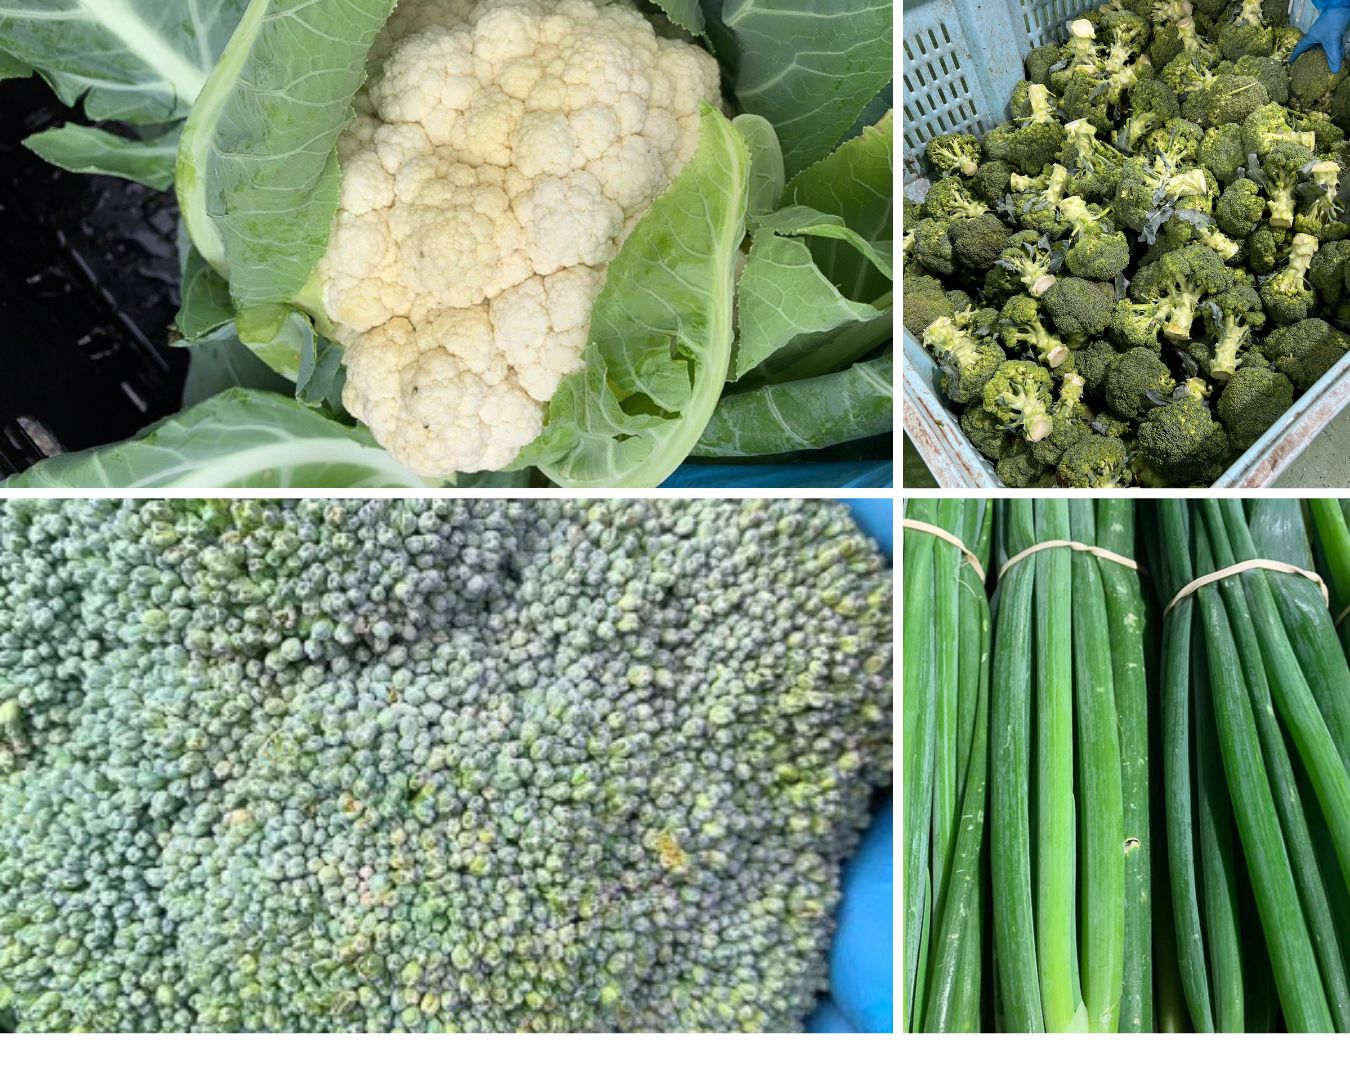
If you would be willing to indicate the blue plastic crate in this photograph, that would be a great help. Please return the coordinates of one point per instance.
(948, 87)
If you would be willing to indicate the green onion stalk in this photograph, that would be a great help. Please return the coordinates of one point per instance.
(945, 730)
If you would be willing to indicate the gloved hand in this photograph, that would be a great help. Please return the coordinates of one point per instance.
(861, 966)
(1328, 31)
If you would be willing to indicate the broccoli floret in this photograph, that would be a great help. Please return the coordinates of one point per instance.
(950, 155)
(990, 182)
(1084, 97)
(1092, 362)
(1182, 443)
(1115, 427)
(1038, 137)
(1230, 317)
(434, 765)
(1039, 62)
(1239, 209)
(1222, 152)
(1079, 308)
(931, 247)
(1135, 325)
(1286, 294)
(1150, 192)
(1246, 34)
(1254, 398)
(1270, 126)
(986, 432)
(978, 242)
(1137, 374)
(1272, 73)
(1094, 461)
(1068, 419)
(998, 142)
(967, 361)
(1036, 199)
(1322, 205)
(1155, 97)
(1019, 467)
(1096, 252)
(1019, 395)
(948, 200)
(1280, 171)
(923, 302)
(1311, 82)
(1094, 165)
(1227, 99)
(1327, 270)
(1027, 263)
(1022, 327)
(1177, 283)
(1326, 133)
(1177, 140)
(1305, 351)
(1265, 248)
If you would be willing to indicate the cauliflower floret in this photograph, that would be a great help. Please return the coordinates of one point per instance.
(431, 409)
(501, 153)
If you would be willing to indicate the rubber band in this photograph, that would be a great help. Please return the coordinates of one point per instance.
(1249, 564)
(943, 534)
(1072, 545)
(1342, 616)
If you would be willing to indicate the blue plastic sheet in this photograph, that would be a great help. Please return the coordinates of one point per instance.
(826, 474)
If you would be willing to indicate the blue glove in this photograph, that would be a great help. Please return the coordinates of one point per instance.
(861, 965)
(1328, 31)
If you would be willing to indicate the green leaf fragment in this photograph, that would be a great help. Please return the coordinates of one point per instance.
(241, 438)
(661, 331)
(808, 414)
(81, 149)
(856, 185)
(812, 68)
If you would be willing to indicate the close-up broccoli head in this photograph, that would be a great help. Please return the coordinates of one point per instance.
(1191, 224)
(432, 765)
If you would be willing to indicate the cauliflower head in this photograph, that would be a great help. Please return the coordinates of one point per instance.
(501, 153)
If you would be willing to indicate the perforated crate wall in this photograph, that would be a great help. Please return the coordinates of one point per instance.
(962, 59)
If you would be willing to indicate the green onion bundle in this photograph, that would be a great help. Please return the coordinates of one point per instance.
(1255, 759)
(1069, 784)
(1331, 541)
(946, 698)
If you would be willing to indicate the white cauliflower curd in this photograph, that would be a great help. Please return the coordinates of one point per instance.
(501, 152)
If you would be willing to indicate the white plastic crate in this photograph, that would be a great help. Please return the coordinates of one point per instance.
(948, 87)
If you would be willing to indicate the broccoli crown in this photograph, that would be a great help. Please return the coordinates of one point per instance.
(949, 199)
(1092, 362)
(1326, 270)
(931, 247)
(1098, 254)
(978, 242)
(1094, 461)
(990, 181)
(1230, 317)
(1019, 395)
(1181, 442)
(1306, 350)
(1178, 282)
(967, 361)
(1027, 263)
(986, 432)
(1311, 81)
(923, 302)
(1079, 308)
(1286, 295)
(1254, 398)
(439, 765)
(953, 154)
(1019, 467)
(1022, 327)
(1222, 153)
(1137, 374)
(1239, 209)
(1135, 325)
